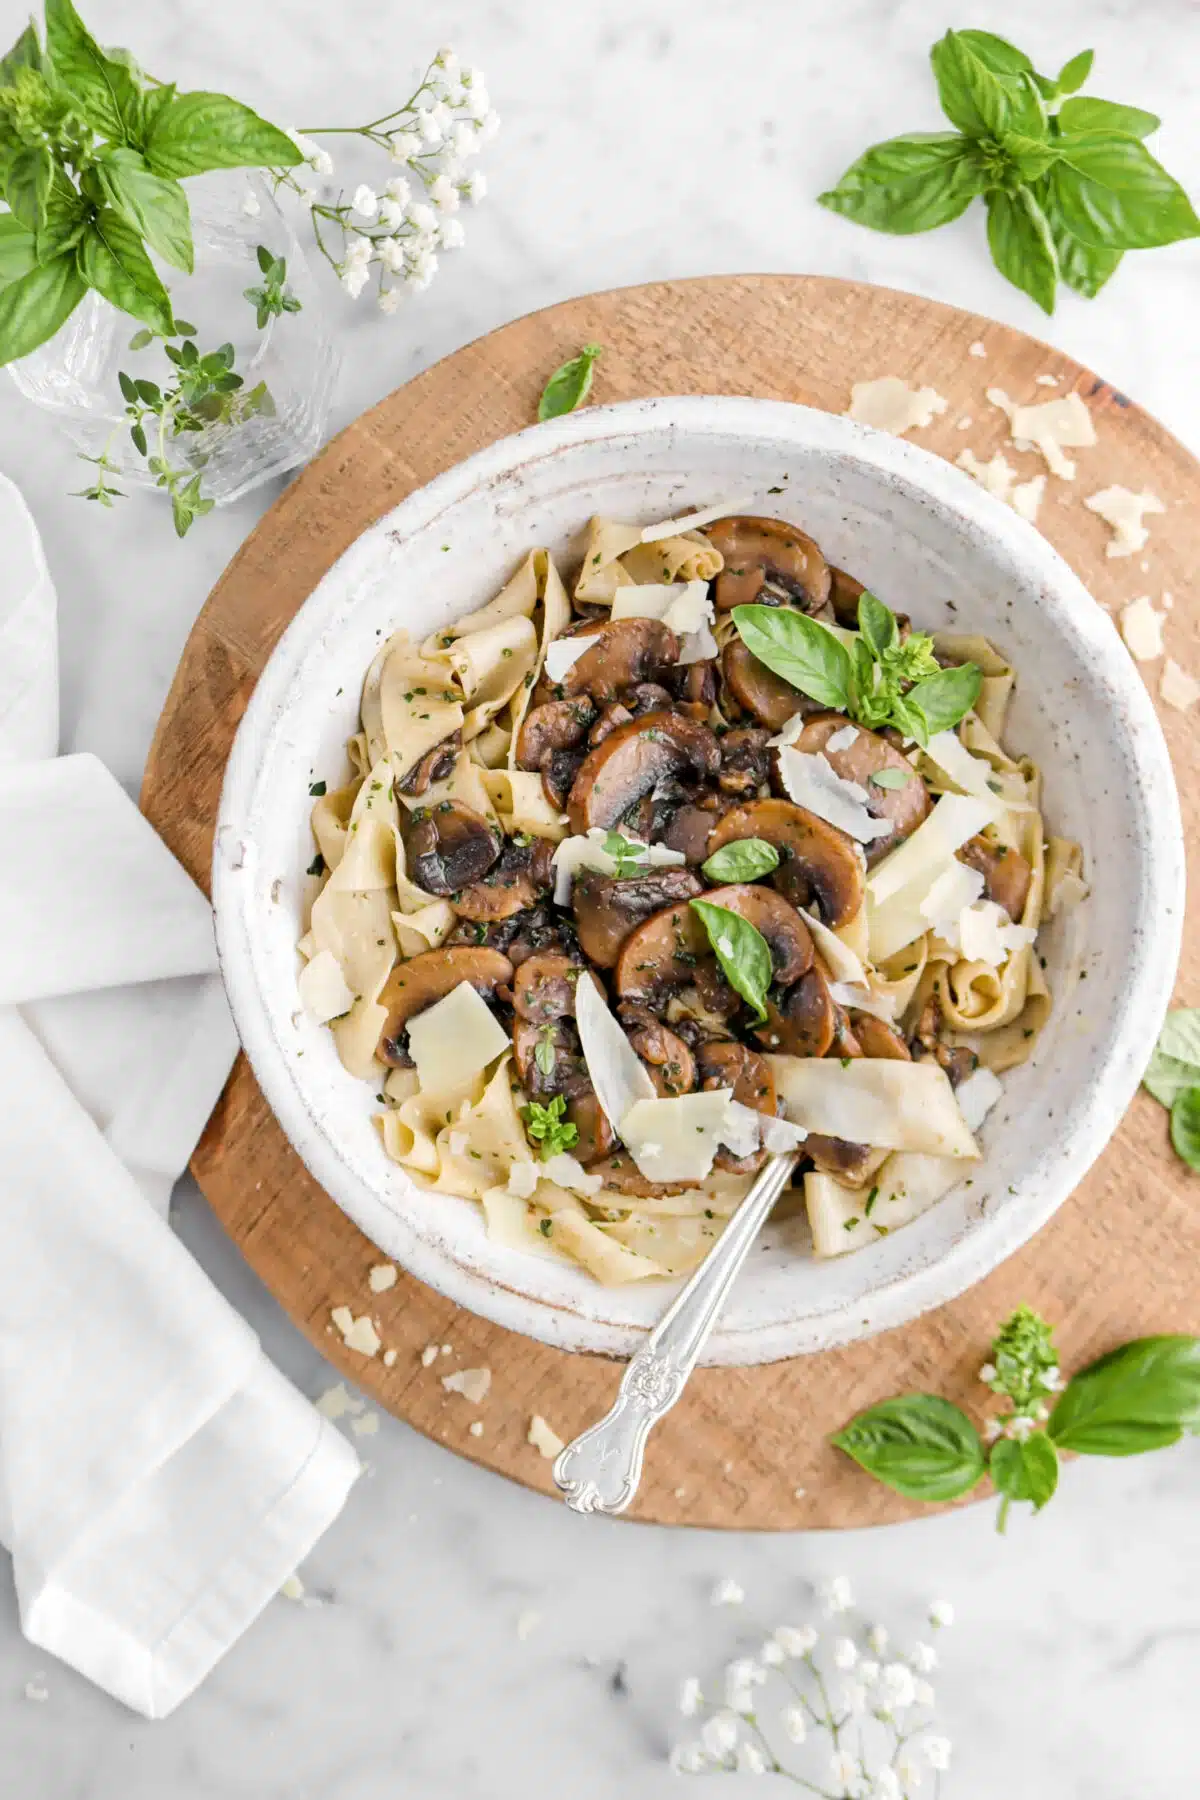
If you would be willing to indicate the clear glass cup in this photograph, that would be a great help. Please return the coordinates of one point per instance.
(290, 365)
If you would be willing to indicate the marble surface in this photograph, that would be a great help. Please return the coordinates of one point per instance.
(642, 139)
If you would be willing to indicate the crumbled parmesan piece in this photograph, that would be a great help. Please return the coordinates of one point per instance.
(357, 1334)
(382, 1277)
(1000, 478)
(337, 1401)
(429, 1355)
(472, 1384)
(1141, 627)
(367, 1426)
(965, 423)
(1168, 600)
(1125, 511)
(389, 1358)
(476, 1428)
(543, 1437)
(977, 349)
(1047, 380)
(1050, 428)
(892, 404)
(1026, 497)
(293, 1588)
(37, 1689)
(1177, 687)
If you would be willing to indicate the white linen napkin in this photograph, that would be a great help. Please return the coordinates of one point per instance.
(159, 1479)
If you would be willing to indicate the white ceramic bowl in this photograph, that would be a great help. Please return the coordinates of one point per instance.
(930, 542)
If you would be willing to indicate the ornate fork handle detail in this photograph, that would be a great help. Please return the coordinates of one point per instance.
(600, 1470)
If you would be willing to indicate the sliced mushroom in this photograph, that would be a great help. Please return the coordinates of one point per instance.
(870, 754)
(669, 1063)
(724, 1064)
(1006, 873)
(956, 1060)
(423, 980)
(817, 862)
(558, 775)
(853, 1164)
(557, 1043)
(690, 826)
(622, 1174)
(435, 765)
(512, 885)
(607, 910)
(646, 697)
(776, 919)
(557, 725)
(520, 936)
(744, 761)
(544, 987)
(758, 690)
(845, 594)
(768, 562)
(449, 846)
(607, 723)
(695, 684)
(596, 1136)
(661, 955)
(801, 1022)
(877, 1038)
(633, 760)
(626, 652)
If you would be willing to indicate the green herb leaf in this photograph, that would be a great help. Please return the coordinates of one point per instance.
(156, 207)
(1175, 1064)
(106, 90)
(996, 53)
(1139, 1397)
(917, 1444)
(980, 91)
(196, 132)
(65, 217)
(1185, 1127)
(877, 624)
(1024, 1469)
(910, 184)
(1074, 73)
(570, 384)
(26, 53)
(113, 260)
(741, 950)
(1082, 266)
(945, 698)
(799, 650)
(28, 174)
(1087, 114)
(16, 249)
(1021, 244)
(35, 305)
(547, 1127)
(546, 1053)
(891, 778)
(1110, 192)
(743, 860)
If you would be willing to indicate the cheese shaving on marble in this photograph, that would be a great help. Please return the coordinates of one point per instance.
(1141, 627)
(1125, 512)
(811, 782)
(893, 404)
(1051, 427)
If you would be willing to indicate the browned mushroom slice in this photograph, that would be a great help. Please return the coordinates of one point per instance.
(803, 1022)
(435, 765)
(621, 1173)
(633, 760)
(512, 885)
(845, 594)
(558, 775)
(956, 1060)
(1006, 873)
(448, 846)
(695, 684)
(768, 562)
(776, 919)
(758, 690)
(664, 953)
(877, 1038)
(845, 1041)
(549, 1060)
(520, 936)
(607, 723)
(817, 862)
(423, 980)
(853, 1164)
(646, 697)
(728, 1065)
(544, 987)
(690, 826)
(607, 910)
(558, 725)
(626, 652)
(596, 1136)
(744, 761)
(903, 807)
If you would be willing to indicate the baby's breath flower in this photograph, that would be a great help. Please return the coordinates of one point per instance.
(354, 278)
(474, 187)
(923, 1657)
(750, 1759)
(422, 270)
(444, 194)
(390, 300)
(845, 1768)
(835, 1596)
(909, 1768)
(307, 196)
(399, 189)
(690, 1697)
(987, 1374)
(390, 252)
(795, 1640)
(898, 1686)
(422, 217)
(937, 1752)
(489, 125)
(727, 1593)
(365, 201)
(923, 1694)
(391, 214)
(1052, 1379)
(719, 1734)
(741, 1678)
(478, 103)
(877, 1639)
(464, 139)
(868, 1671)
(688, 1759)
(993, 1428)
(941, 1614)
(404, 144)
(447, 61)
(845, 1653)
(358, 250)
(886, 1785)
(771, 1653)
(1019, 1427)
(853, 1698)
(794, 1723)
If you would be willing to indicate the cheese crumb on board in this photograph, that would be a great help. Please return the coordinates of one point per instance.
(1177, 687)
(429, 1355)
(1047, 380)
(965, 423)
(1026, 498)
(1050, 428)
(382, 1277)
(1141, 627)
(37, 1689)
(476, 1428)
(727, 1593)
(337, 1401)
(357, 1334)
(389, 1358)
(367, 1426)
(977, 349)
(1126, 512)
(893, 404)
(472, 1384)
(997, 476)
(543, 1438)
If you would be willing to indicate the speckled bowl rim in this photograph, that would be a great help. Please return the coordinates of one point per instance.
(1087, 1120)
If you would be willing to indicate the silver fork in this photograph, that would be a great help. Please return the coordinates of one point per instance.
(600, 1470)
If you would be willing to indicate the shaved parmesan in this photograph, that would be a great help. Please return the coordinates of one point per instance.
(741, 1133)
(1141, 627)
(838, 957)
(1026, 497)
(842, 739)
(955, 888)
(1177, 687)
(357, 1334)
(977, 1095)
(323, 991)
(676, 1140)
(954, 819)
(1050, 428)
(1047, 380)
(997, 476)
(977, 349)
(616, 1071)
(564, 653)
(684, 606)
(970, 773)
(873, 1100)
(523, 1178)
(812, 783)
(472, 1384)
(986, 934)
(569, 1173)
(694, 520)
(575, 853)
(1125, 512)
(780, 1135)
(892, 404)
(543, 1438)
(455, 1039)
(698, 646)
(880, 1006)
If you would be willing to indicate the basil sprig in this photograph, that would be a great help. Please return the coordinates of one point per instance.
(741, 950)
(570, 384)
(91, 156)
(1173, 1077)
(745, 859)
(1067, 180)
(1142, 1396)
(878, 680)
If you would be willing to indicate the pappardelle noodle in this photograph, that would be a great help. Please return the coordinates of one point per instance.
(714, 856)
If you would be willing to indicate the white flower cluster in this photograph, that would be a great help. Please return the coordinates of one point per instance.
(869, 1710)
(395, 233)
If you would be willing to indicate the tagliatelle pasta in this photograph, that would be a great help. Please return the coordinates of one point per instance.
(518, 830)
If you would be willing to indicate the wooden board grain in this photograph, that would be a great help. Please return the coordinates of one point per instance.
(746, 1448)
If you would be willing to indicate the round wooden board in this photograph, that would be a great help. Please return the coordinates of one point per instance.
(745, 1448)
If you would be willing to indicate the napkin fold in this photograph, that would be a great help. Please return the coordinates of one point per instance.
(159, 1479)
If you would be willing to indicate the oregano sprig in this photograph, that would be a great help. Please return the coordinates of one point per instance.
(1067, 181)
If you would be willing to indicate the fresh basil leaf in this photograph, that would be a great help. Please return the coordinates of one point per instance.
(113, 260)
(1074, 73)
(66, 214)
(743, 860)
(943, 699)
(891, 778)
(196, 132)
(105, 89)
(910, 721)
(154, 102)
(1175, 1064)
(1109, 191)
(877, 623)
(26, 53)
(155, 206)
(16, 249)
(1082, 266)
(35, 305)
(917, 1444)
(996, 53)
(984, 98)
(1087, 114)
(1022, 247)
(570, 384)
(910, 184)
(1025, 1469)
(795, 647)
(741, 950)
(28, 175)
(1185, 1127)
(1030, 157)
(1139, 1397)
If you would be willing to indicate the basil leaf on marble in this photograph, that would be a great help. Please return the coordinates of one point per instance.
(1112, 193)
(921, 1446)
(1085, 114)
(741, 950)
(193, 133)
(570, 384)
(1022, 245)
(113, 260)
(909, 184)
